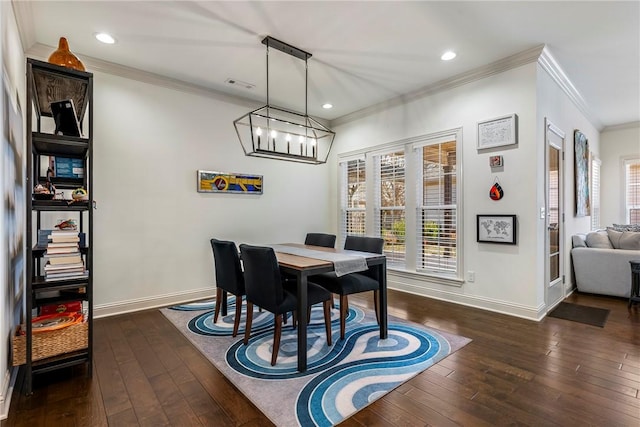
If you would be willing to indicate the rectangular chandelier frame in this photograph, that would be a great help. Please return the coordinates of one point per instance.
(278, 133)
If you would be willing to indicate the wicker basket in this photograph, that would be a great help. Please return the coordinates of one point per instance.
(53, 343)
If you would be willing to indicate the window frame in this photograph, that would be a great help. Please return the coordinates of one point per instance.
(409, 270)
(595, 193)
(342, 194)
(629, 162)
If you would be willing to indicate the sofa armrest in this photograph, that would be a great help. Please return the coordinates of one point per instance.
(603, 271)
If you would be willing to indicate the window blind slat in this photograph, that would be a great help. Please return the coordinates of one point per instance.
(353, 197)
(632, 190)
(390, 205)
(437, 214)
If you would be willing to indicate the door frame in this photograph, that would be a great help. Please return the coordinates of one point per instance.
(551, 299)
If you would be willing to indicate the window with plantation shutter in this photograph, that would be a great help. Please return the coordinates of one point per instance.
(390, 204)
(353, 200)
(632, 190)
(437, 211)
(414, 191)
(595, 193)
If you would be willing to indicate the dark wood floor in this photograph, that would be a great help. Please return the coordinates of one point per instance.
(515, 372)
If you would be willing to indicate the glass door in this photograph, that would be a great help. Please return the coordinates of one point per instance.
(555, 215)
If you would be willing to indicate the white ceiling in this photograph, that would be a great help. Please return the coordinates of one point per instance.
(363, 52)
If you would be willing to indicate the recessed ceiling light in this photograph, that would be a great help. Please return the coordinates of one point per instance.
(105, 38)
(327, 106)
(448, 55)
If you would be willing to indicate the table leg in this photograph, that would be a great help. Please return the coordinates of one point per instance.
(302, 321)
(382, 295)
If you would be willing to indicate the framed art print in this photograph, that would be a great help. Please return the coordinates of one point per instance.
(226, 182)
(496, 229)
(497, 132)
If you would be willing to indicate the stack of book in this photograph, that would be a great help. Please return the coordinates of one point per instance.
(64, 260)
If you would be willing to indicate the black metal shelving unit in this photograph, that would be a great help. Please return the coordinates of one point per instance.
(47, 83)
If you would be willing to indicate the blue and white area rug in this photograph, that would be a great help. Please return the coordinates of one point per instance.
(339, 381)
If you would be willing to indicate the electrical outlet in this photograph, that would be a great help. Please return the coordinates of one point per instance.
(471, 276)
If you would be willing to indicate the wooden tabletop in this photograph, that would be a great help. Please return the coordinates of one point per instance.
(296, 261)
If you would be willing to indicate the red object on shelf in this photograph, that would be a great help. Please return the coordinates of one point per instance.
(61, 308)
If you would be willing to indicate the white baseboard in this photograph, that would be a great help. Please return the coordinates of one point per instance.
(6, 391)
(511, 309)
(121, 307)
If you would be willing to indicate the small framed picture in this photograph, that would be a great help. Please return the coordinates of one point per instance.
(496, 229)
(495, 161)
(226, 182)
(498, 132)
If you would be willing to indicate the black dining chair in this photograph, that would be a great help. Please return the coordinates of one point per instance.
(264, 288)
(229, 277)
(354, 282)
(320, 239)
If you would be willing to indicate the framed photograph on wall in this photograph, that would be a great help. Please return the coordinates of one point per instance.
(226, 182)
(497, 132)
(496, 229)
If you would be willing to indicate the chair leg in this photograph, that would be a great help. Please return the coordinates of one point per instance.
(218, 302)
(308, 315)
(247, 327)
(294, 319)
(344, 307)
(375, 306)
(276, 338)
(327, 319)
(236, 321)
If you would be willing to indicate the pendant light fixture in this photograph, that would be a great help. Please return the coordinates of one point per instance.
(281, 134)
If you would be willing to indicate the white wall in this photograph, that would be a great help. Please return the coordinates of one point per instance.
(616, 144)
(505, 276)
(13, 71)
(152, 229)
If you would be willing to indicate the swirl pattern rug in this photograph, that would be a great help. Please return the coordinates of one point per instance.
(339, 381)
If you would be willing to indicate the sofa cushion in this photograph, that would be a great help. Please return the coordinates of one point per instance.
(626, 227)
(598, 239)
(629, 240)
(578, 240)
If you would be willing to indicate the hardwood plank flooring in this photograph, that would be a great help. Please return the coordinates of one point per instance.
(515, 372)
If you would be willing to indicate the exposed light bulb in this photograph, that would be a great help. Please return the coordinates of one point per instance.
(288, 137)
(274, 134)
(258, 131)
(327, 106)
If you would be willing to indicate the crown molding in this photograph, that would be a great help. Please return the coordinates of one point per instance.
(42, 52)
(550, 65)
(623, 126)
(525, 57)
(24, 19)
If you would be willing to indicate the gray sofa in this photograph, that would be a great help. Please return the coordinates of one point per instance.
(601, 261)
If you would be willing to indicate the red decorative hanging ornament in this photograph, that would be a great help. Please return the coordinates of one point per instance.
(496, 192)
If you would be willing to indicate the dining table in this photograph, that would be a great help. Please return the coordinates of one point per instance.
(302, 261)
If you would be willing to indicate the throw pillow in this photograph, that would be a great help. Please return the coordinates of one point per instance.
(629, 240)
(626, 227)
(598, 239)
(578, 241)
(614, 236)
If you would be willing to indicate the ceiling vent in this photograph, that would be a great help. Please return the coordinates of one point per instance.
(239, 83)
